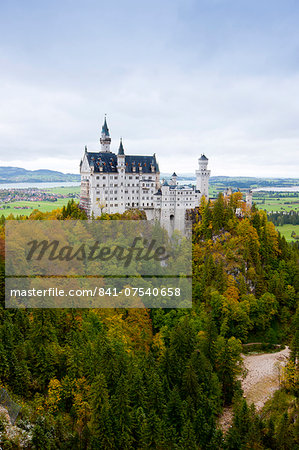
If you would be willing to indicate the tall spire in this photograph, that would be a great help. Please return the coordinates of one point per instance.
(105, 139)
(105, 129)
(121, 148)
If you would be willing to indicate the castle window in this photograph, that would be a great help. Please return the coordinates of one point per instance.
(98, 178)
(130, 178)
(104, 178)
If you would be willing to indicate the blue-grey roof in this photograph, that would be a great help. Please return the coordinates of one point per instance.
(182, 187)
(108, 161)
(105, 128)
(203, 158)
(121, 148)
(174, 174)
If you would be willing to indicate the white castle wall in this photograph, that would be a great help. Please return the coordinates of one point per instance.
(120, 190)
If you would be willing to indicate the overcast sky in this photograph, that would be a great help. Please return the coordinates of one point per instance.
(176, 77)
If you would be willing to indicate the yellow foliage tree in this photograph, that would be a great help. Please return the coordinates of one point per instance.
(54, 395)
(232, 292)
(290, 376)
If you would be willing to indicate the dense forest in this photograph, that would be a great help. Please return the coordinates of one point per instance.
(159, 378)
(282, 218)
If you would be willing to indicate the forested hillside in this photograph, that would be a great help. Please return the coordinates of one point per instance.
(140, 379)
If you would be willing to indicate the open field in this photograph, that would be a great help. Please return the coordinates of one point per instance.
(213, 191)
(286, 231)
(26, 207)
(279, 202)
(41, 206)
(65, 190)
(276, 203)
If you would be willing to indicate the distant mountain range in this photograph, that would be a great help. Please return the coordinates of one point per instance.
(19, 175)
(252, 182)
(241, 182)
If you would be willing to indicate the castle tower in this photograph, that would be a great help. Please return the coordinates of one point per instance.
(105, 139)
(173, 179)
(249, 198)
(121, 168)
(202, 176)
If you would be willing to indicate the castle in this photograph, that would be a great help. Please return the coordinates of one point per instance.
(114, 183)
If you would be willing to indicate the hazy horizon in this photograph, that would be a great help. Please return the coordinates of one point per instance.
(180, 175)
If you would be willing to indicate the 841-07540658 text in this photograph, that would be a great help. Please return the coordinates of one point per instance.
(140, 292)
(111, 292)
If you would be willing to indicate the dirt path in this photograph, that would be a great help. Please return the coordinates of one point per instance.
(262, 376)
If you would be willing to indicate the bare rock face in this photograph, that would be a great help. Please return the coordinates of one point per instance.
(12, 433)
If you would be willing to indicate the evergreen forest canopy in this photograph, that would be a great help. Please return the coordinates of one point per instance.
(139, 378)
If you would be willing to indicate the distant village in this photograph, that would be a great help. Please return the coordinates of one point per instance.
(29, 195)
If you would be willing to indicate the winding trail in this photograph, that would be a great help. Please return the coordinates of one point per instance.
(261, 380)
